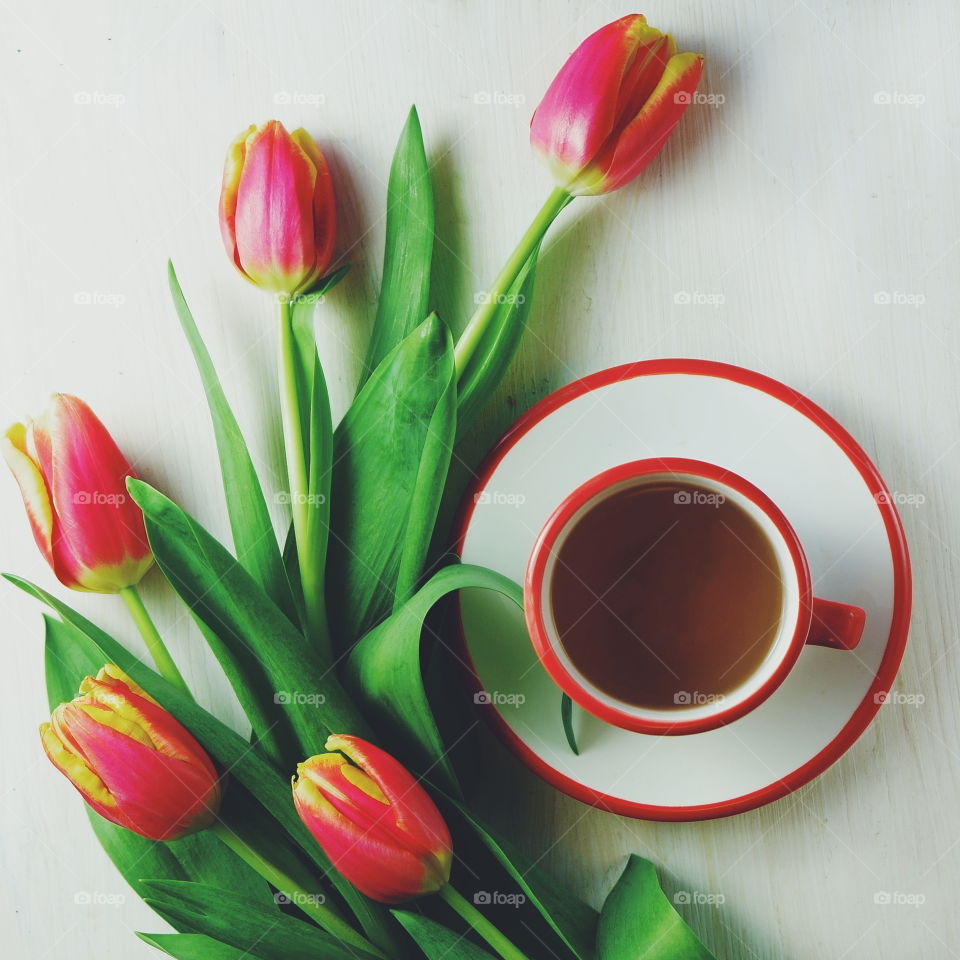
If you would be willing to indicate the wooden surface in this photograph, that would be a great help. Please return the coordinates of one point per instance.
(802, 224)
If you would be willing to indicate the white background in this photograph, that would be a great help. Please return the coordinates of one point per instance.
(809, 218)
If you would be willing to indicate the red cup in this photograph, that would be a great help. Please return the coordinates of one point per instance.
(804, 619)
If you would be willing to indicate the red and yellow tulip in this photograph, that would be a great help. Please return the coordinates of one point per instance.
(277, 208)
(613, 105)
(131, 760)
(374, 821)
(73, 477)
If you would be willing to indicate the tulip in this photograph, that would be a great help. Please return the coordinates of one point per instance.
(73, 480)
(138, 767)
(604, 117)
(131, 760)
(373, 820)
(277, 209)
(278, 222)
(382, 831)
(613, 105)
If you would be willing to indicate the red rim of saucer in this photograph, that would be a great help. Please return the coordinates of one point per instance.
(635, 470)
(900, 614)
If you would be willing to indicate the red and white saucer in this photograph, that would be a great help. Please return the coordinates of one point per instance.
(798, 456)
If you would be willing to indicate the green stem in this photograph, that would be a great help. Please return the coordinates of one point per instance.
(481, 925)
(484, 314)
(155, 645)
(298, 480)
(311, 904)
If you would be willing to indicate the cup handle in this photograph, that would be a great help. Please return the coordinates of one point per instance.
(836, 625)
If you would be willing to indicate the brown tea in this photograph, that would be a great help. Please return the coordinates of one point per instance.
(666, 595)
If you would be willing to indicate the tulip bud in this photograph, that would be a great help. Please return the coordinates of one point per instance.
(613, 105)
(373, 820)
(277, 208)
(73, 480)
(131, 760)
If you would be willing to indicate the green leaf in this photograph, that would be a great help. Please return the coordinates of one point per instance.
(437, 941)
(244, 923)
(571, 919)
(253, 535)
(197, 946)
(566, 718)
(405, 290)
(68, 658)
(638, 922)
(391, 456)
(231, 752)
(499, 345)
(277, 676)
(384, 671)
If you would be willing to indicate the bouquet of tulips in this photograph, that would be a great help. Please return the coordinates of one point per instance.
(319, 631)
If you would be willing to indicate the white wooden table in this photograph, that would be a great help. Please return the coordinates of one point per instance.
(808, 216)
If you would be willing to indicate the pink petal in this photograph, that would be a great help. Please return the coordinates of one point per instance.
(416, 815)
(98, 539)
(232, 169)
(643, 138)
(33, 489)
(382, 871)
(324, 207)
(579, 109)
(157, 796)
(275, 211)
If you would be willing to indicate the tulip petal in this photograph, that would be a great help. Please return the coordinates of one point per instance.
(131, 760)
(79, 774)
(415, 813)
(32, 488)
(640, 79)
(361, 802)
(162, 731)
(110, 671)
(274, 211)
(99, 542)
(641, 139)
(324, 207)
(232, 169)
(579, 109)
(157, 796)
(383, 871)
